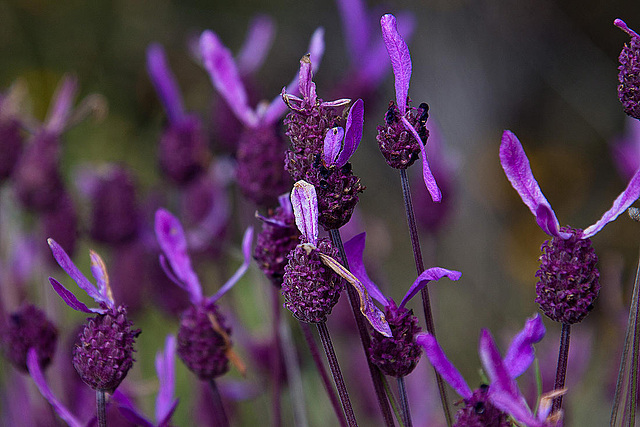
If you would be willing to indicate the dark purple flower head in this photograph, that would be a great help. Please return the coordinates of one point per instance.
(203, 338)
(629, 75)
(401, 64)
(396, 355)
(182, 151)
(10, 134)
(398, 146)
(502, 394)
(104, 352)
(61, 222)
(278, 237)
(165, 402)
(27, 328)
(261, 148)
(577, 293)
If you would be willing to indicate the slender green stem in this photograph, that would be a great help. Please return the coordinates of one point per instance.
(325, 338)
(404, 400)
(392, 400)
(101, 408)
(426, 302)
(561, 371)
(354, 300)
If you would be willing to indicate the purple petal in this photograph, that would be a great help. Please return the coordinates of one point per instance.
(305, 81)
(353, 132)
(165, 367)
(515, 406)
(164, 264)
(129, 411)
(99, 271)
(70, 299)
(624, 200)
(374, 316)
(400, 59)
(332, 145)
(165, 83)
(224, 75)
(316, 50)
(256, 45)
(305, 210)
(69, 267)
(45, 391)
(285, 204)
(354, 248)
(166, 421)
(59, 114)
(434, 273)
(354, 19)
(518, 170)
(445, 368)
(172, 240)
(521, 354)
(247, 240)
(623, 26)
(494, 366)
(427, 176)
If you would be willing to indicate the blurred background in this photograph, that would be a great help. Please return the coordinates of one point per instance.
(546, 70)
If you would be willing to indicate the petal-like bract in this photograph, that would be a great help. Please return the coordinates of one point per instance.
(445, 368)
(400, 59)
(430, 274)
(520, 354)
(305, 210)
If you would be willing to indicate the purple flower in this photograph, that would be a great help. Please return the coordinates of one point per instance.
(629, 76)
(489, 404)
(10, 134)
(366, 51)
(182, 146)
(397, 355)
(625, 149)
(568, 276)
(165, 403)
(104, 353)
(401, 64)
(261, 148)
(203, 339)
(305, 278)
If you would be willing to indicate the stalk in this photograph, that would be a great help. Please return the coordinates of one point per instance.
(218, 407)
(561, 371)
(315, 355)
(404, 400)
(354, 299)
(101, 408)
(426, 302)
(337, 374)
(276, 357)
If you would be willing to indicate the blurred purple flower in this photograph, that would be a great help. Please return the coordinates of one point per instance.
(398, 354)
(10, 132)
(629, 76)
(490, 404)
(626, 149)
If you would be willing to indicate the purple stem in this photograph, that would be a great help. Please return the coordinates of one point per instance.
(337, 374)
(276, 356)
(354, 299)
(315, 355)
(561, 371)
(101, 407)
(218, 407)
(426, 302)
(404, 401)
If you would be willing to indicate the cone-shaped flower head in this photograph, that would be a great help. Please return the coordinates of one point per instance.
(104, 352)
(404, 134)
(629, 75)
(261, 147)
(278, 237)
(10, 135)
(311, 283)
(27, 328)
(396, 355)
(203, 339)
(182, 150)
(165, 402)
(568, 278)
(491, 405)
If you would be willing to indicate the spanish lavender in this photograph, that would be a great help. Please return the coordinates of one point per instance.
(629, 76)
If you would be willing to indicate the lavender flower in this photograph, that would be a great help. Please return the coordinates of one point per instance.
(104, 353)
(568, 278)
(182, 146)
(10, 135)
(405, 132)
(309, 289)
(278, 237)
(629, 76)
(493, 404)
(165, 403)
(203, 339)
(398, 354)
(261, 148)
(28, 328)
